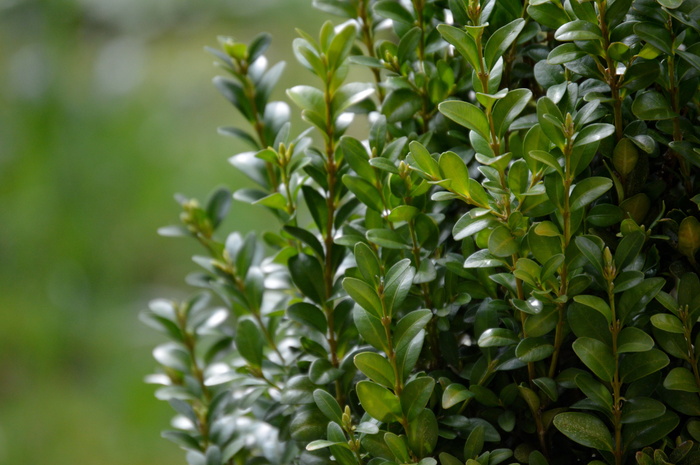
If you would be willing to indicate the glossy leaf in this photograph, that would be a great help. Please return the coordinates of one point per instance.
(596, 356)
(585, 429)
(378, 401)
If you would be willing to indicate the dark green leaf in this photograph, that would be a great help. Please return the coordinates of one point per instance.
(638, 365)
(309, 315)
(378, 401)
(327, 404)
(596, 356)
(585, 429)
(249, 342)
(415, 396)
(652, 105)
(500, 41)
(578, 30)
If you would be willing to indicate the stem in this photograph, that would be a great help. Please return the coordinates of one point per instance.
(687, 335)
(563, 275)
(258, 124)
(615, 329)
(611, 71)
(368, 40)
(433, 340)
(677, 133)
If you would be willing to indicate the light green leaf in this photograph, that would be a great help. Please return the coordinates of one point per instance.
(364, 295)
(379, 402)
(467, 115)
(376, 368)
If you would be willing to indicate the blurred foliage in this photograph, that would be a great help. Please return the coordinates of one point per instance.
(106, 107)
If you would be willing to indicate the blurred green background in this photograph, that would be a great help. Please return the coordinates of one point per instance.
(107, 110)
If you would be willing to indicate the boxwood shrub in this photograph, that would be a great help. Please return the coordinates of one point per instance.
(486, 244)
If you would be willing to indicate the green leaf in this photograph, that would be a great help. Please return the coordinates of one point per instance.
(422, 433)
(638, 365)
(633, 339)
(564, 54)
(637, 435)
(656, 35)
(322, 372)
(681, 379)
(308, 315)
(502, 243)
(454, 394)
(628, 249)
(376, 368)
(595, 392)
(379, 402)
(308, 98)
(652, 106)
(397, 284)
(634, 300)
(548, 14)
(387, 238)
(322, 444)
(364, 295)
(307, 238)
(394, 11)
(588, 190)
(400, 105)
(467, 115)
(508, 108)
(341, 45)
(327, 404)
(597, 304)
(641, 409)
(497, 337)
(552, 126)
(593, 133)
(452, 167)
(364, 191)
(304, 270)
(689, 236)
(548, 159)
(467, 226)
(409, 326)
(500, 41)
(356, 156)
(415, 396)
(398, 447)
(370, 328)
(578, 30)
(463, 43)
(585, 429)
(249, 342)
(666, 322)
(533, 349)
(367, 262)
(596, 356)
(424, 160)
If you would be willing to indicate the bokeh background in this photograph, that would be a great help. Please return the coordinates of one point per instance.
(106, 111)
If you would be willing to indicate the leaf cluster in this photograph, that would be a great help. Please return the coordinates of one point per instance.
(502, 270)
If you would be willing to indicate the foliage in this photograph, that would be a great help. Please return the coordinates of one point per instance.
(502, 271)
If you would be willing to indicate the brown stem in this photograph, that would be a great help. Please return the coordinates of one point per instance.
(611, 71)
